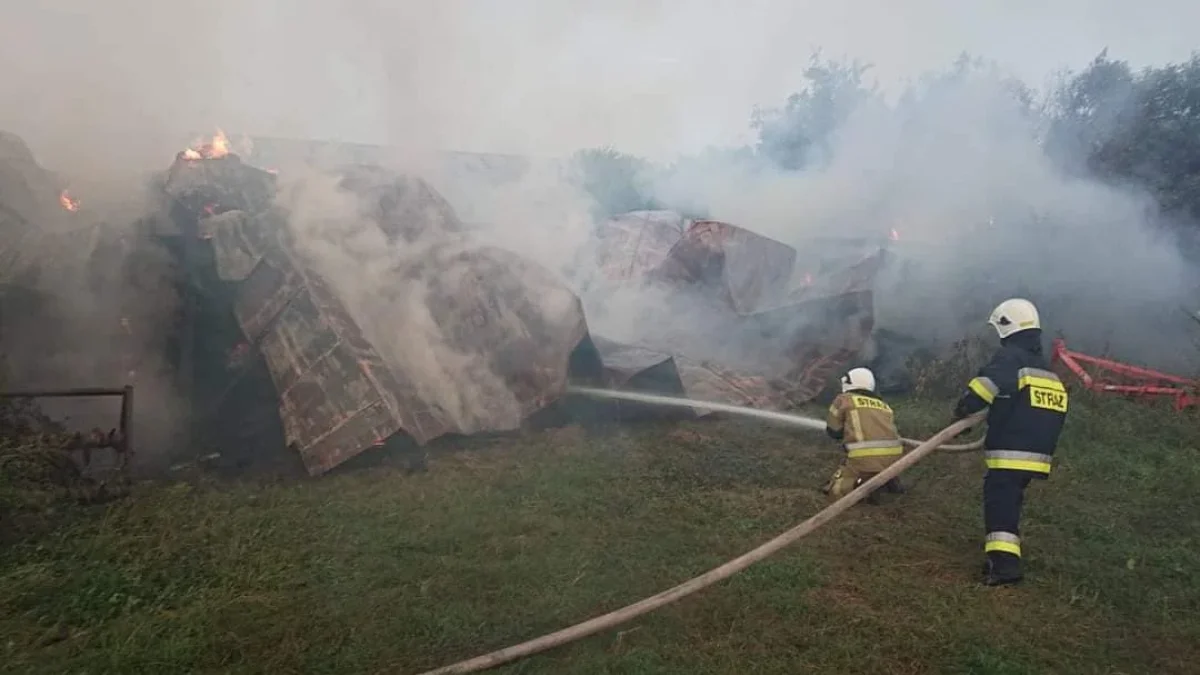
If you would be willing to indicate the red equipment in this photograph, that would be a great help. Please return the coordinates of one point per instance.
(1135, 381)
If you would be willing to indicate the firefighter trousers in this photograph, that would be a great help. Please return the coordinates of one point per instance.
(1003, 495)
(847, 477)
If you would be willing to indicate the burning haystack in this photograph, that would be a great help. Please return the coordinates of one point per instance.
(374, 315)
(351, 306)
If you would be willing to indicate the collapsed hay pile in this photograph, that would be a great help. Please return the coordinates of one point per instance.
(378, 316)
(339, 308)
(373, 317)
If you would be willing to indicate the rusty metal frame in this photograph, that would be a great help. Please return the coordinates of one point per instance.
(121, 442)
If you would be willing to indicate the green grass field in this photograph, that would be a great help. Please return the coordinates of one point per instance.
(374, 570)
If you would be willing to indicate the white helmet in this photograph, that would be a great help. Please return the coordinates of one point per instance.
(858, 378)
(1013, 316)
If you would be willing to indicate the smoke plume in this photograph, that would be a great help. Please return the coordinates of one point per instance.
(106, 93)
(956, 172)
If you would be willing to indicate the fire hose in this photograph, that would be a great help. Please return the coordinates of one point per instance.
(757, 413)
(624, 614)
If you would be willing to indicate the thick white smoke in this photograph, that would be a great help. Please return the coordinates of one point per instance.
(958, 172)
(106, 92)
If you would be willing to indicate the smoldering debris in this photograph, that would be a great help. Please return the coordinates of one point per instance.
(214, 179)
(329, 309)
(376, 313)
(722, 307)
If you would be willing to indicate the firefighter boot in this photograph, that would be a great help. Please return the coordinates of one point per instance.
(841, 483)
(1001, 568)
(873, 497)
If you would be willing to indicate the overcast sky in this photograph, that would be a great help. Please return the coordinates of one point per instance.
(530, 76)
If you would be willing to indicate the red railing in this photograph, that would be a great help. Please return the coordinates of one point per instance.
(1120, 378)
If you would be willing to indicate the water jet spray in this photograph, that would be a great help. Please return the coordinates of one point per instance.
(745, 411)
(680, 402)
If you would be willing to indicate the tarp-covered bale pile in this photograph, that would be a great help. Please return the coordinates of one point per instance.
(717, 312)
(379, 318)
(352, 305)
(377, 315)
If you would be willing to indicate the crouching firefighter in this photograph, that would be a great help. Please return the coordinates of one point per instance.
(865, 426)
(1027, 405)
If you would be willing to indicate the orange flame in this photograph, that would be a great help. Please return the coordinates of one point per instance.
(219, 145)
(67, 203)
(895, 235)
(214, 148)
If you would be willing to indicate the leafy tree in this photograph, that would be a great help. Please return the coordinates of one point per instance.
(1142, 128)
(1088, 108)
(939, 88)
(1109, 121)
(618, 182)
(1159, 146)
(801, 133)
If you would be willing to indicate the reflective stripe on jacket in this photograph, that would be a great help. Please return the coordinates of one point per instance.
(866, 427)
(1027, 405)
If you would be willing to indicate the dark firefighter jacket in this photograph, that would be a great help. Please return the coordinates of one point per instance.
(866, 427)
(1026, 403)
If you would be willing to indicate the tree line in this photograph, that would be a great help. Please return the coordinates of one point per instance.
(1108, 121)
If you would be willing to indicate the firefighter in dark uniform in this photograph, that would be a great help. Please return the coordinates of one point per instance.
(1027, 405)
